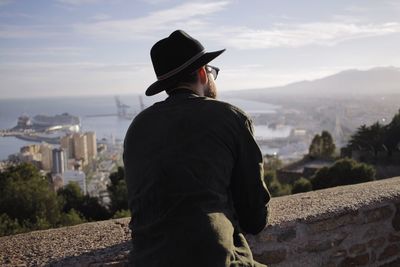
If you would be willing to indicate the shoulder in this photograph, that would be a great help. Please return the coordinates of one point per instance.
(242, 119)
(140, 118)
(226, 107)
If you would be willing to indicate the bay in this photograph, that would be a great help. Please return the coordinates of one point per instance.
(85, 107)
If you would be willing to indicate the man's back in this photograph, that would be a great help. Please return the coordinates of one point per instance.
(194, 183)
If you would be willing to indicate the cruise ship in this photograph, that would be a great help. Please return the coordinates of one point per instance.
(64, 120)
(44, 128)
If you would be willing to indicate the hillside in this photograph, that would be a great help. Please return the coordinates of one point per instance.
(381, 80)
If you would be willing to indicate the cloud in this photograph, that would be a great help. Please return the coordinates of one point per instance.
(101, 16)
(6, 2)
(365, 8)
(394, 4)
(16, 15)
(298, 35)
(196, 17)
(154, 2)
(40, 52)
(50, 78)
(53, 67)
(348, 19)
(29, 31)
(188, 15)
(78, 2)
(357, 9)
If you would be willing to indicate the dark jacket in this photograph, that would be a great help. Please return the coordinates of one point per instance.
(194, 176)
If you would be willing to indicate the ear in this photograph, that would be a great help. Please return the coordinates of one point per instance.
(203, 75)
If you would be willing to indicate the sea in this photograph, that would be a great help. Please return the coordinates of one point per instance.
(108, 127)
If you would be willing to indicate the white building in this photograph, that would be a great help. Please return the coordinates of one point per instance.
(78, 177)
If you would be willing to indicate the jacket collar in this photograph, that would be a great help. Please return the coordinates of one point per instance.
(181, 93)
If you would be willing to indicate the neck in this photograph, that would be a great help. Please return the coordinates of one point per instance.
(192, 87)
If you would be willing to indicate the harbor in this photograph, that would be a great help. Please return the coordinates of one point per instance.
(43, 128)
(31, 135)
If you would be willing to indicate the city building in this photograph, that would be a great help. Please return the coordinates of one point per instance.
(58, 182)
(31, 149)
(34, 158)
(4, 165)
(78, 177)
(59, 161)
(46, 151)
(41, 155)
(80, 147)
(67, 143)
(91, 145)
(69, 176)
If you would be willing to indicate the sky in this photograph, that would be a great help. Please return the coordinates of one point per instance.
(101, 47)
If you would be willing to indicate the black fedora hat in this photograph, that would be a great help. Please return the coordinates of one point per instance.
(174, 56)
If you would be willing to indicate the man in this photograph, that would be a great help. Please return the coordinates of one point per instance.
(193, 170)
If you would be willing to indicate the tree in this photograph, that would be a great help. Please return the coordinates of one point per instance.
(301, 185)
(118, 191)
(322, 145)
(272, 162)
(88, 207)
(359, 139)
(369, 138)
(122, 214)
(392, 134)
(328, 146)
(377, 134)
(28, 203)
(377, 137)
(275, 188)
(272, 183)
(92, 210)
(72, 217)
(343, 172)
(71, 197)
(9, 226)
(315, 148)
(25, 197)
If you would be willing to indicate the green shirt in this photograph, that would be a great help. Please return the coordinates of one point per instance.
(194, 175)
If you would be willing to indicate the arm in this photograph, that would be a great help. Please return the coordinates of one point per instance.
(249, 193)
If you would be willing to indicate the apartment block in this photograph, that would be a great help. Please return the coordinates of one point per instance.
(80, 147)
(91, 145)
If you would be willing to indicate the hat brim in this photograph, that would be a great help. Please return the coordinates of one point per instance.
(162, 85)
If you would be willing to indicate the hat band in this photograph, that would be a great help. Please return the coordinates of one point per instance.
(181, 67)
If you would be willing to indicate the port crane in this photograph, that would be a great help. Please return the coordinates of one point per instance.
(121, 108)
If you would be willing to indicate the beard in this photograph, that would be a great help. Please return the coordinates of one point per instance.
(210, 89)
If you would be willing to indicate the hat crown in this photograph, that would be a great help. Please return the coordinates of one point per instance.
(175, 56)
(173, 52)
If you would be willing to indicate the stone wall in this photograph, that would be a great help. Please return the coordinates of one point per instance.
(356, 225)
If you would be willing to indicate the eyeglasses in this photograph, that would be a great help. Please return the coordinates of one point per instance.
(213, 70)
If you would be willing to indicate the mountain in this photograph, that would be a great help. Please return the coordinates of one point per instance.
(381, 80)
